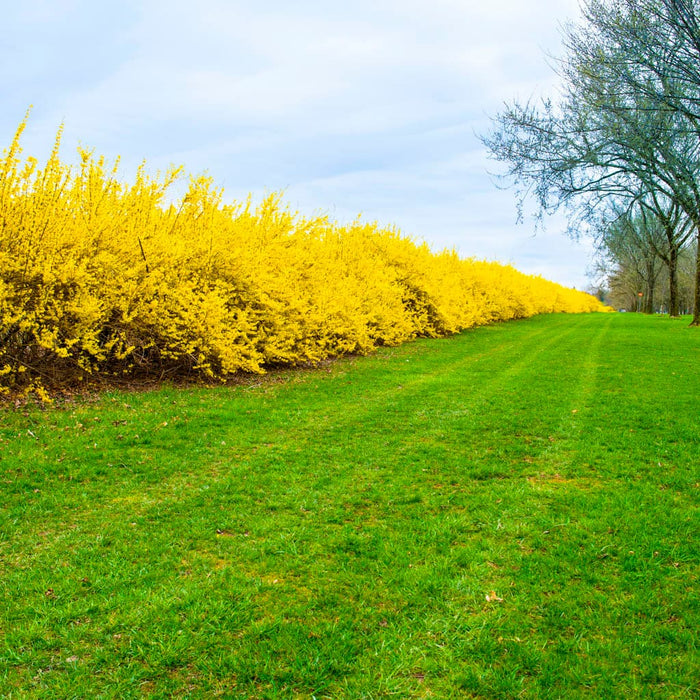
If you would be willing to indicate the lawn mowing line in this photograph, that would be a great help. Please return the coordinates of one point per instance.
(374, 408)
(559, 452)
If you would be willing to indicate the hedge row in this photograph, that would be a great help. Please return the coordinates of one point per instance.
(102, 276)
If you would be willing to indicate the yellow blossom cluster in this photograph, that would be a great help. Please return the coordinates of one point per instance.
(102, 276)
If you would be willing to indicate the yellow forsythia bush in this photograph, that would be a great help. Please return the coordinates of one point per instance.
(97, 275)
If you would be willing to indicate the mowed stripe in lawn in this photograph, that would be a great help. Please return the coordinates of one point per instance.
(453, 390)
(529, 382)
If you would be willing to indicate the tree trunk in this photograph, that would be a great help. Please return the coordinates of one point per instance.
(696, 309)
(648, 300)
(673, 281)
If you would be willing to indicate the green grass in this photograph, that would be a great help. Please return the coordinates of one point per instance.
(336, 533)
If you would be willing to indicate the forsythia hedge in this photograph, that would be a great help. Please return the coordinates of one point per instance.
(97, 275)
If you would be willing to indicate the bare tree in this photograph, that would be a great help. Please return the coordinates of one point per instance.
(639, 62)
(626, 126)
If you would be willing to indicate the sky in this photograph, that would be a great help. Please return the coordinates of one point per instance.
(373, 107)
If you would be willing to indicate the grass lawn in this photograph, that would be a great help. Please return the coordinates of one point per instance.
(507, 513)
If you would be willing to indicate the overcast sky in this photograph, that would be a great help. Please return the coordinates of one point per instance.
(369, 107)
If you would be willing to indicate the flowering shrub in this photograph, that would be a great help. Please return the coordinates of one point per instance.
(97, 275)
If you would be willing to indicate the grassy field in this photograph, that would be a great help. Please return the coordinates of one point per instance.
(507, 513)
